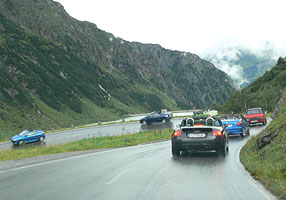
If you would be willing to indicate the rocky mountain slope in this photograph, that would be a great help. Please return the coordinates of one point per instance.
(57, 71)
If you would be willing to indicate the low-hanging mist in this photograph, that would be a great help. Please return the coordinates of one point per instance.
(243, 63)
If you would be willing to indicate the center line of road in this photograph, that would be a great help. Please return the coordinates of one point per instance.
(115, 178)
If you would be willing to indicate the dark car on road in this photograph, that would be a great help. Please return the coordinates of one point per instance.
(255, 116)
(199, 134)
(156, 117)
(28, 136)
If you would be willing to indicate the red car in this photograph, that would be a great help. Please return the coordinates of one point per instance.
(255, 116)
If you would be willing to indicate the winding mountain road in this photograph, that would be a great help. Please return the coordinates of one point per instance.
(141, 172)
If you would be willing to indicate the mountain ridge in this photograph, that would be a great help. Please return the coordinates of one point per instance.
(64, 72)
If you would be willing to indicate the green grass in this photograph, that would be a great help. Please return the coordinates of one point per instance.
(88, 144)
(268, 164)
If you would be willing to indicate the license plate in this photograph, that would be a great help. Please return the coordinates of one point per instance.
(254, 121)
(198, 135)
(230, 125)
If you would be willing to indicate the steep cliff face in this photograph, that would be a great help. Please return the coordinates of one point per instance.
(70, 71)
(198, 82)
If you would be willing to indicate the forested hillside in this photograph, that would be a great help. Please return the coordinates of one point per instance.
(264, 92)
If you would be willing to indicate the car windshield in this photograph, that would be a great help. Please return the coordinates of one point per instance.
(253, 111)
(23, 132)
(153, 114)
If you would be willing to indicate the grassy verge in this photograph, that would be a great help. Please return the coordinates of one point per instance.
(88, 144)
(268, 164)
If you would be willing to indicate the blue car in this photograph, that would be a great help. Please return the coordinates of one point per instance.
(156, 117)
(28, 136)
(237, 125)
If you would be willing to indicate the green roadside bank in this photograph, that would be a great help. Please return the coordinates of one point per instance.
(264, 156)
(87, 144)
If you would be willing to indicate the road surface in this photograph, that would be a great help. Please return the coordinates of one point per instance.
(140, 172)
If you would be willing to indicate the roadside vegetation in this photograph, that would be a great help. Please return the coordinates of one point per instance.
(264, 155)
(87, 144)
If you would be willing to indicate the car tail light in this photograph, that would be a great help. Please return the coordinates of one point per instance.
(217, 133)
(261, 117)
(239, 123)
(44, 133)
(178, 133)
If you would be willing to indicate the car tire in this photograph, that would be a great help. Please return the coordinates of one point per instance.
(42, 139)
(265, 122)
(223, 151)
(164, 121)
(144, 123)
(21, 142)
(175, 151)
(243, 133)
(248, 131)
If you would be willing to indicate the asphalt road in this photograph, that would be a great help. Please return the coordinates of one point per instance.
(95, 131)
(140, 172)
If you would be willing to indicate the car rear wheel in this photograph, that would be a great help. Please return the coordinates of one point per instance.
(243, 132)
(223, 151)
(42, 139)
(264, 123)
(248, 131)
(175, 151)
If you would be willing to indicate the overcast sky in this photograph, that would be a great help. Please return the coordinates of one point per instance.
(187, 25)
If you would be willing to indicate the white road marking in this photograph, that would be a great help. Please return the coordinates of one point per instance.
(115, 178)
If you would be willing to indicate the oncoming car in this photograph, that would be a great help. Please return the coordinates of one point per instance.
(28, 136)
(200, 134)
(236, 125)
(156, 117)
(255, 116)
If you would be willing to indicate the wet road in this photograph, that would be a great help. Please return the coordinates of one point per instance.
(140, 172)
(96, 131)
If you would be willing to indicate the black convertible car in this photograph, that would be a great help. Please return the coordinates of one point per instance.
(199, 134)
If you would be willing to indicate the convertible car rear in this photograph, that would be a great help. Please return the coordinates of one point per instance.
(200, 134)
(236, 125)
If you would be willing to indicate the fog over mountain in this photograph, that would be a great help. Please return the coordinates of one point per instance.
(244, 63)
